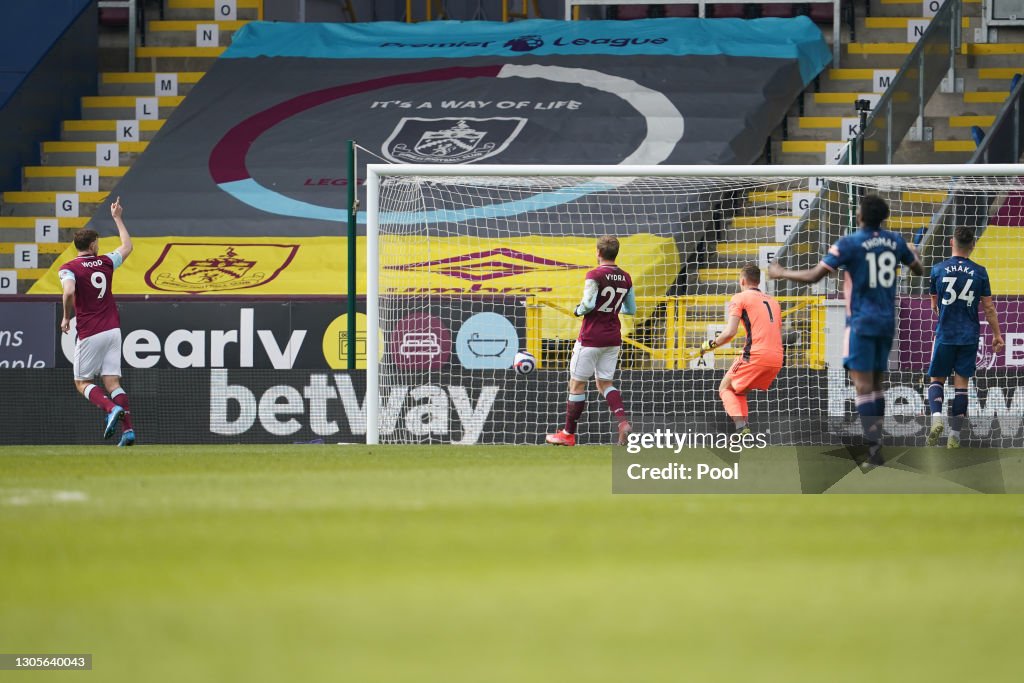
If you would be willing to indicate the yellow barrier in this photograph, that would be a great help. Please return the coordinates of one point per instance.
(660, 332)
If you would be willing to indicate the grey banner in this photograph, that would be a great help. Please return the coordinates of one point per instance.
(27, 333)
(294, 167)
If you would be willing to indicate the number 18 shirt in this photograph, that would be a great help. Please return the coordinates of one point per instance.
(871, 257)
(95, 309)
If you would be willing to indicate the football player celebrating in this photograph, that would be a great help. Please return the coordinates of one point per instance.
(87, 281)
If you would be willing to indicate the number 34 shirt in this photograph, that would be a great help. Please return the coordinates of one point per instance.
(959, 284)
(871, 257)
(95, 309)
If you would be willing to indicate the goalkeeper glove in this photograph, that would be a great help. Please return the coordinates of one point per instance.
(707, 346)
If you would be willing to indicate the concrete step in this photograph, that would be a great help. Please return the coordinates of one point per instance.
(184, 33)
(1000, 73)
(47, 253)
(154, 59)
(982, 97)
(896, 29)
(834, 103)
(83, 154)
(144, 83)
(126, 108)
(962, 104)
(957, 127)
(45, 203)
(62, 178)
(933, 152)
(101, 130)
(995, 55)
(22, 229)
(846, 80)
(27, 277)
(734, 255)
(913, 8)
(888, 55)
(188, 10)
(966, 146)
(826, 128)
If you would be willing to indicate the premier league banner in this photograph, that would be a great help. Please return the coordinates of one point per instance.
(244, 181)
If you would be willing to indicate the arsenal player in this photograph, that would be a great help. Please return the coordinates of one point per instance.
(607, 291)
(88, 288)
(762, 356)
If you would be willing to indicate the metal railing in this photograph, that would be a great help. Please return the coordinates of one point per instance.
(572, 12)
(668, 330)
(1004, 141)
(900, 110)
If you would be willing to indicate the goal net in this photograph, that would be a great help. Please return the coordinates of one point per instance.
(468, 266)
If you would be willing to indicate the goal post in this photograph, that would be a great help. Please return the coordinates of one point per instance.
(467, 264)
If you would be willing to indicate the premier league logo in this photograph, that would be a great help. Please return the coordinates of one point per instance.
(524, 43)
(451, 140)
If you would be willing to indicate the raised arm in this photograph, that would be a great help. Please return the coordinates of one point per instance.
(810, 275)
(993, 323)
(126, 240)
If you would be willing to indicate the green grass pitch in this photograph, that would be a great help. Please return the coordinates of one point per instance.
(474, 564)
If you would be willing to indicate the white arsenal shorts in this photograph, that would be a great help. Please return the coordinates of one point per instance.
(590, 361)
(99, 354)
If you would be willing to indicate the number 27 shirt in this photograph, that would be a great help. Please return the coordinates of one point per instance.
(607, 291)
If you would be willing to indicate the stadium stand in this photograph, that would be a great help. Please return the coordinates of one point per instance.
(815, 120)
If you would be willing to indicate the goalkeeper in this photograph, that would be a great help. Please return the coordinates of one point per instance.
(762, 356)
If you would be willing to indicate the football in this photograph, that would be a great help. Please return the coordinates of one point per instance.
(524, 363)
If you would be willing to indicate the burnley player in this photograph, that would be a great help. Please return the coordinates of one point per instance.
(607, 291)
(871, 258)
(88, 288)
(762, 356)
(958, 284)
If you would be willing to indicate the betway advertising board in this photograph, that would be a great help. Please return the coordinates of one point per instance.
(473, 333)
(275, 372)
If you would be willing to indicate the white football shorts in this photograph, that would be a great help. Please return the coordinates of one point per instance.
(590, 361)
(99, 354)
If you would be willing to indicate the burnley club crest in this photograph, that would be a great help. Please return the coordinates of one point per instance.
(450, 140)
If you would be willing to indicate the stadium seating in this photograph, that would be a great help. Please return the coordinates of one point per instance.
(627, 12)
(172, 46)
(814, 122)
(782, 10)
